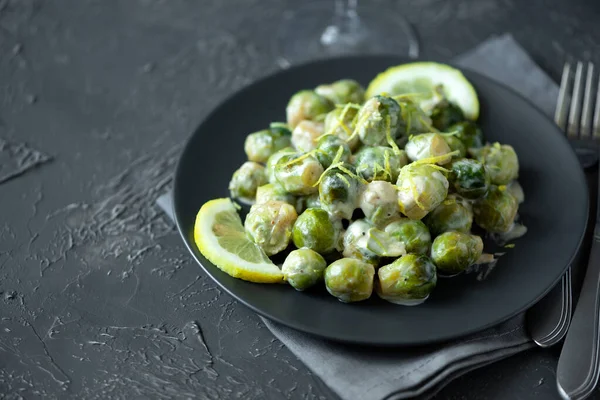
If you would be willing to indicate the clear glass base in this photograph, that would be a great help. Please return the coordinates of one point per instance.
(319, 30)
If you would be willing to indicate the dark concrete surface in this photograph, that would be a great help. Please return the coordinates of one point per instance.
(98, 298)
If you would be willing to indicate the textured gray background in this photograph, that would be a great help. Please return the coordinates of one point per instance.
(98, 297)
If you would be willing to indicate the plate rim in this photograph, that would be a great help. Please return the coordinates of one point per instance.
(402, 60)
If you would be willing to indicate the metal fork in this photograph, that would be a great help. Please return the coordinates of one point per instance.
(548, 321)
(579, 363)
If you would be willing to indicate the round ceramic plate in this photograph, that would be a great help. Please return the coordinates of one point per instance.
(555, 212)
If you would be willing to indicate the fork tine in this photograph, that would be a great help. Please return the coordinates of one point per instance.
(562, 103)
(596, 126)
(575, 111)
(586, 112)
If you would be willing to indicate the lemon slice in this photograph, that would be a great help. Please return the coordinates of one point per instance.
(221, 238)
(419, 77)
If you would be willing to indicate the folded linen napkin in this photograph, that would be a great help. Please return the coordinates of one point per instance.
(372, 374)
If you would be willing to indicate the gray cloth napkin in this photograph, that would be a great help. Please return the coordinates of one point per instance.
(354, 372)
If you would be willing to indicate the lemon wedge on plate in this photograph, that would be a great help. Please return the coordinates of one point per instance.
(221, 238)
(425, 77)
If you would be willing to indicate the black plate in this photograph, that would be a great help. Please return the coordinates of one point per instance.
(555, 211)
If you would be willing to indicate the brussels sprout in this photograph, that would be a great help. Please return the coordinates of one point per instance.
(339, 191)
(408, 280)
(349, 280)
(496, 211)
(500, 161)
(412, 118)
(452, 215)
(456, 145)
(367, 243)
(453, 252)
(379, 203)
(306, 134)
(377, 121)
(309, 201)
(342, 92)
(468, 133)
(273, 192)
(469, 178)
(428, 146)
(303, 268)
(421, 188)
(315, 230)
(412, 233)
(261, 145)
(328, 147)
(446, 114)
(246, 180)
(306, 104)
(339, 122)
(379, 163)
(272, 161)
(298, 174)
(516, 190)
(270, 225)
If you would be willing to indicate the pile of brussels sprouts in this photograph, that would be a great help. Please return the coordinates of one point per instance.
(375, 193)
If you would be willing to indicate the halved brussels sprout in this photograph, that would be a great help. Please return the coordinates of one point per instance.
(469, 178)
(306, 105)
(350, 280)
(298, 173)
(377, 121)
(453, 252)
(246, 180)
(261, 145)
(315, 230)
(366, 243)
(412, 233)
(303, 268)
(496, 211)
(421, 188)
(408, 280)
(454, 214)
(270, 225)
(379, 163)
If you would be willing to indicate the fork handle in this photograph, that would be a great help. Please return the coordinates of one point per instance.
(579, 364)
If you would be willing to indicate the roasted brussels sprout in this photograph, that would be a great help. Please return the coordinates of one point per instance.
(500, 161)
(306, 104)
(350, 280)
(379, 163)
(339, 122)
(446, 114)
(496, 211)
(272, 161)
(408, 280)
(270, 225)
(377, 121)
(273, 192)
(469, 178)
(261, 145)
(246, 180)
(379, 203)
(303, 268)
(298, 173)
(339, 191)
(456, 145)
(468, 133)
(315, 230)
(306, 134)
(367, 243)
(454, 214)
(327, 150)
(421, 188)
(428, 146)
(342, 92)
(412, 233)
(453, 252)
